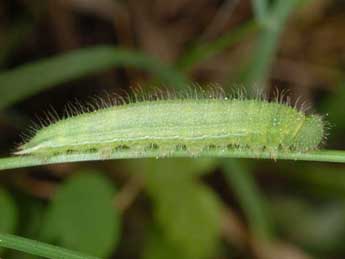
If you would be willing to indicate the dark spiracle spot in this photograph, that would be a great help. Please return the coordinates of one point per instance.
(181, 147)
(92, 150)
(152, 146)
(70, 151)
(120, 148)
(212, 147)
(236, 146)
(292, 148)
(231, 147)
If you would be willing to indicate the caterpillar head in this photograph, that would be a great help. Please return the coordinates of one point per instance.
(311, 134)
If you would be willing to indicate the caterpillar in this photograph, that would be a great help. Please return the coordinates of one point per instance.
(190, 124)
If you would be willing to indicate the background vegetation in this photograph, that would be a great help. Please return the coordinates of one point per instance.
(53, 52)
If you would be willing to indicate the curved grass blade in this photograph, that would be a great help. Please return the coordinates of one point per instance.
(32, 78)
(335, 156)
(38, 248)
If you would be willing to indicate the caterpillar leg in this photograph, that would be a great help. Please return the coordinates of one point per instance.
(273, 153)
(105, 152)
(195, 149)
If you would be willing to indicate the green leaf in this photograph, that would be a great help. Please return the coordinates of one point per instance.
(82, 216)
(187, 211)
(32, 78)
(158, 247)
(190, 219)
(8, 212)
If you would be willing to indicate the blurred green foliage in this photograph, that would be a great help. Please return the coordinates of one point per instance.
(253, 202)
(8, 210)
(82, 215)
(157, 246)
(186, 213)
(320, 228)
(30, 79)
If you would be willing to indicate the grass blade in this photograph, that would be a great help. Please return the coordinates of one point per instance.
(335, 156)
(38, 248)
(35, 77)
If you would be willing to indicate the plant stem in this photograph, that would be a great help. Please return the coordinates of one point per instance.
(335, 156)
(252, 201)
(260, 9)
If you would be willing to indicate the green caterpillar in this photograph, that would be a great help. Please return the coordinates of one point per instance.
(190, 124)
